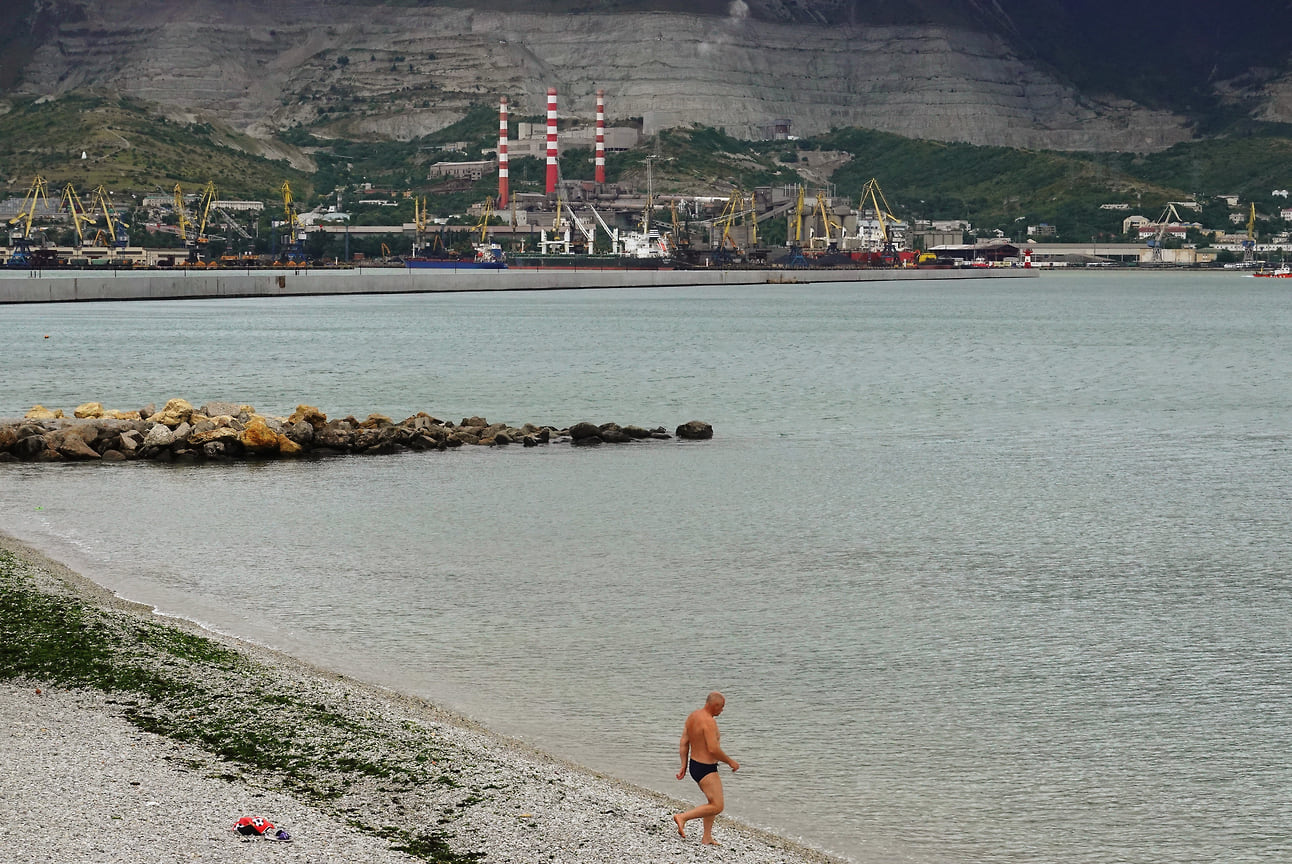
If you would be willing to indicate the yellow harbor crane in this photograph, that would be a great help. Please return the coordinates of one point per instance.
(822, 214)
(117, 228)
(486, 213)
(20, 237)
(419, 225)
(883, 214)
(722, 253)
(794, 234)
(292, 248)
(181, 215)
(72, 202)
(205, 203)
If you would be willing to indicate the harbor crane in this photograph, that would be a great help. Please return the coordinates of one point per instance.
(419, 226)
(1158, 240)
(795, 235)
(883, 215)
(612, 233)
(182, 221)
(292, 245)
(20, 237)
(822, 213)
(117, 228)
(727, 247)
(205, 204)
(1249, 245)
(680, 238)
(72, 202)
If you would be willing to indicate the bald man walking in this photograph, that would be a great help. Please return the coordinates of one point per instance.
(700, 746)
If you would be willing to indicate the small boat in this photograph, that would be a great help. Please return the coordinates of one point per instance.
(1284, 272)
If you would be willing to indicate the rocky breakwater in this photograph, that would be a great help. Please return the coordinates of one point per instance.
(224, 431)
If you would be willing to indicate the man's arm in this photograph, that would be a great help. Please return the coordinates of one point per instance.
(715, 749)
(684, 749)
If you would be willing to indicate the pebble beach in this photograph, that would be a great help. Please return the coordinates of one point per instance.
(106, 770)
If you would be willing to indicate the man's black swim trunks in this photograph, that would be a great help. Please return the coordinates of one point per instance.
(700, 770)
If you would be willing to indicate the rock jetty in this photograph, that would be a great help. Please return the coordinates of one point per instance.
(226, 431)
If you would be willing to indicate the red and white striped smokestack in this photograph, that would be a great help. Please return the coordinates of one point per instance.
(503, 190)
(551, 140)
(600, 176)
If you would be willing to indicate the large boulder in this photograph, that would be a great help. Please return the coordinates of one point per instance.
(160, 435)
(583, 431)
(695, 430)
(336, 435)
(308, 414)
(70, 444)
(301, 432)
(177, 411)
(225, 434)
(215, 409)
(40, 412)
(129, 441)
(30, 446)
(257, 437)
(92, 410)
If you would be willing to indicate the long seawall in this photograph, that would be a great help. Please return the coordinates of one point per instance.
(52, 286)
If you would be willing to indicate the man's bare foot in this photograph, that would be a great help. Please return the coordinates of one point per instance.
(681, 832)
(709, 841)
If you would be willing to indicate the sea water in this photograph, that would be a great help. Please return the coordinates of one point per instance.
(988, 571)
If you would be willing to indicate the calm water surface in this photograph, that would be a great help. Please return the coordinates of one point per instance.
(989, 572)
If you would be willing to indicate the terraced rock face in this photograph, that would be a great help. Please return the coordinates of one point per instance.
(386, 71)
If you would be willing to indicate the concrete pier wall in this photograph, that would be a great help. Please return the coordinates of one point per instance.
(73, 286)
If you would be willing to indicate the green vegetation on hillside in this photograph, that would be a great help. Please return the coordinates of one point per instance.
(131, 148)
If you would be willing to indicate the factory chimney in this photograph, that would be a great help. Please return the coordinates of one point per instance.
(600, 175)
(551, 140)
(503, 191)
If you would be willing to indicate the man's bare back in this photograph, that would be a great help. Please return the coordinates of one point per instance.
(701, 751)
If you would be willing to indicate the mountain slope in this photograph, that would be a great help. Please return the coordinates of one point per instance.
(937, 69)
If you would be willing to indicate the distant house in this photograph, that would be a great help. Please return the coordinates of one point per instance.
(1130, 223)
(1286, 214)
(462, 170)
(1230, 200)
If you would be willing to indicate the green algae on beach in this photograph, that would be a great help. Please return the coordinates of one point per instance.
(250, 717)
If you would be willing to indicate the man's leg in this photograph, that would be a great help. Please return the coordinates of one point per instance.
(711, 786)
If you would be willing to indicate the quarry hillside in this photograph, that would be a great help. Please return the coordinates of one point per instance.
(978, 71)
